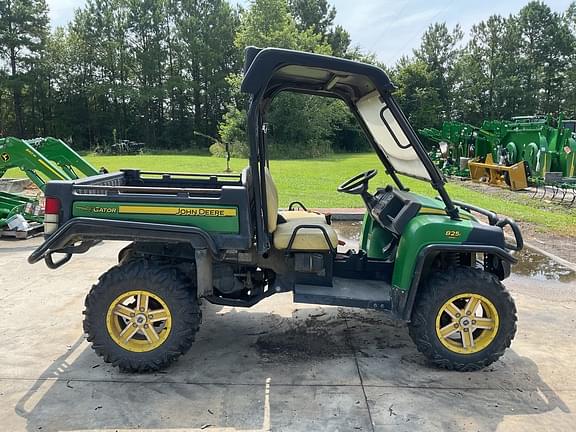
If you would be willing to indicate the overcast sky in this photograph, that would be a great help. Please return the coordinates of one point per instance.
(385, 27)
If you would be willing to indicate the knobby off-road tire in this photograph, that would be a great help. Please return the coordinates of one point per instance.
(161, 289)
(444, 296)
(126, 254)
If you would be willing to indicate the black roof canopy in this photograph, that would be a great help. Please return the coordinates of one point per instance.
(365, 88)
(271, 69)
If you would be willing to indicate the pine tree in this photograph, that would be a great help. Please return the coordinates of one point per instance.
(23, 33)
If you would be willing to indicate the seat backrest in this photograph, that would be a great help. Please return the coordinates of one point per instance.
(271, 201)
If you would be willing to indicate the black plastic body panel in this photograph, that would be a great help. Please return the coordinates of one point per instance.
(364, 294)
(393, 209)
(89, 231)
(482, 233)
(358, 266)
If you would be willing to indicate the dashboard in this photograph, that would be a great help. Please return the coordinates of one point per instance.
(393, 209)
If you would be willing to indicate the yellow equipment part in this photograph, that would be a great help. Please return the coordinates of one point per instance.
(512, 177)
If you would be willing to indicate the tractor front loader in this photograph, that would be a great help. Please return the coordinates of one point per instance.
(42, 160)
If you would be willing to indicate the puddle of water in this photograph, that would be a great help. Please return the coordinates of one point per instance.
(530, 264)
(541, 268)
(348, 230)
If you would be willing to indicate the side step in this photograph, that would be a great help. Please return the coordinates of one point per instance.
(365, 294)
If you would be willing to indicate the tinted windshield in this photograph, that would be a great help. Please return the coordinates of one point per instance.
(389, 137)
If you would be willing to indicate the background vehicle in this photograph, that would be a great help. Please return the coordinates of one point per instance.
(222, 237)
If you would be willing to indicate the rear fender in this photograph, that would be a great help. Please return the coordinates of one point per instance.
(79, 234)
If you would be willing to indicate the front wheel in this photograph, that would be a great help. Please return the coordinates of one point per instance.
(141, 317)
(464, 319)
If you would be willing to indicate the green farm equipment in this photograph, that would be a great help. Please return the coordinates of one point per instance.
(17, 153)
(42, 160)
(70, 162)
(544, 144)
(502, 150)
(12, 204)
(455, 147)
(222, 238)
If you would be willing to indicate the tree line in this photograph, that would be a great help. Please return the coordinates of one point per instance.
(522, 64)
(168, 72)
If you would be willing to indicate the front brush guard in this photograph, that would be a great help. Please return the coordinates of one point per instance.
(499, 221)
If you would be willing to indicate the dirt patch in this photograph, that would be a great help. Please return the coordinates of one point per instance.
(559, 245)
(395, 342)
(308, 340)
(525, 197)
(376, 330)
(368, 317)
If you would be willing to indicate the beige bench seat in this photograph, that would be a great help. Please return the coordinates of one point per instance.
(290, 215)
(308, 239)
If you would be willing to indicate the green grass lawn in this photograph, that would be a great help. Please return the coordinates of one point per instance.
(314, 183)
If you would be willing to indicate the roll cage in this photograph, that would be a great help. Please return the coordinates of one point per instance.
(270, 71)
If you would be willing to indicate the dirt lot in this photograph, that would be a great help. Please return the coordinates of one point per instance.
(278, 366)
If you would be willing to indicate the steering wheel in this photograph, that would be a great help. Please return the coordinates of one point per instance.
(357, 185)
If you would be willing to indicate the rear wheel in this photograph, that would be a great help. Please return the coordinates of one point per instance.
(126, 254)
(141, 317)
(464, 319)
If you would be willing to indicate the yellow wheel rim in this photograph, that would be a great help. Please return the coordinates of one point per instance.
(139, 321)
(467, 323)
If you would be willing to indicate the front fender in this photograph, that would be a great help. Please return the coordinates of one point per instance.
(426, 236)
(425, 230)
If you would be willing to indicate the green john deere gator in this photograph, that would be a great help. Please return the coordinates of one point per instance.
(221, 238)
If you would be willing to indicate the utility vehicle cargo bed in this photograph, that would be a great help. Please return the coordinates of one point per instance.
(215, 203)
